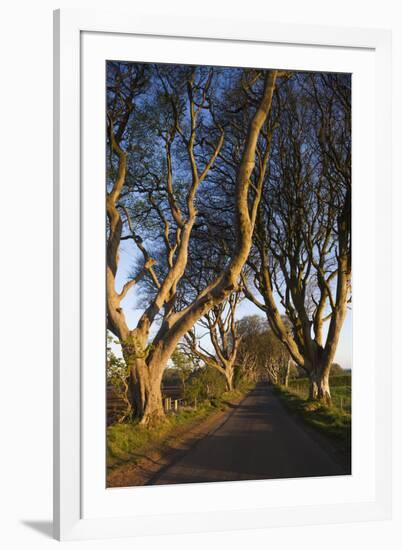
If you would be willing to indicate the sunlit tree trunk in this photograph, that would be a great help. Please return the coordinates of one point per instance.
(146, 391)
(229, 378)
(319, 388)
(287, 373)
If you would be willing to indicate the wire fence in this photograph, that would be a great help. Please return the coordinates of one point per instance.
(340, 387)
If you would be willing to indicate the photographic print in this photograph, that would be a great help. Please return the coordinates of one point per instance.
(228, 274)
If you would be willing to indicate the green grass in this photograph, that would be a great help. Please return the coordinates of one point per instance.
(333, 421)
(129, 442)
(341, 393)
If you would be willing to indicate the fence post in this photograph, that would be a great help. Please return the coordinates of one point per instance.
(176, 405)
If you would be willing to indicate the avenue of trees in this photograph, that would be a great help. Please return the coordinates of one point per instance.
(226, 185)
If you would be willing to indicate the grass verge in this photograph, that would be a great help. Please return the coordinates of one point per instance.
(331, 421)
(130, 442)
(341, 394)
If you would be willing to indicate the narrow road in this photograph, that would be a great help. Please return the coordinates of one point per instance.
(259, 439)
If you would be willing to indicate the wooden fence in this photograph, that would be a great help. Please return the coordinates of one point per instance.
(172, 396)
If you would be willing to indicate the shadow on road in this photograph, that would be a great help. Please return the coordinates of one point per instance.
(259, 440)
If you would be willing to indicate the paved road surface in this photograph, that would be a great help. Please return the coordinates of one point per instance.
(258, 440)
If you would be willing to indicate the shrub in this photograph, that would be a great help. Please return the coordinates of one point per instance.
(205, 384)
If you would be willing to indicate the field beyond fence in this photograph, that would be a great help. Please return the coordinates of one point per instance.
(340, 386)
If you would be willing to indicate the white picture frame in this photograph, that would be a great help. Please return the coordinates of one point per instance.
(83, 507)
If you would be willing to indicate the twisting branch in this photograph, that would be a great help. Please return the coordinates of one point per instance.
(176, 117)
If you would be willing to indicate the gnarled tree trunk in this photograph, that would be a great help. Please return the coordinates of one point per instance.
(313, 388)
(146, 394)
(324, 393)
(319, 383)
(146, 371)
(229, 378)
(147, 360)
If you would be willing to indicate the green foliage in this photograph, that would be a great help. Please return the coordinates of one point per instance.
(205, 383)
(182, 366)
(116, 367)
(117, 376)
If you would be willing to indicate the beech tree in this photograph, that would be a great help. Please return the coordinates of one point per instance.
(222, 330)
(301, 257)
(164, 136)
(182, 367)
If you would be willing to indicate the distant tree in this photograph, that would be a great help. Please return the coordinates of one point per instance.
(222, 330)
(183, 366)
(336, 369)
(205, 384)
(261, 351)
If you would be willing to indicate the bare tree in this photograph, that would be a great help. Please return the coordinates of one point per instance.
(185, 116)
(301, 259)
(278, 369)
(222, 330)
